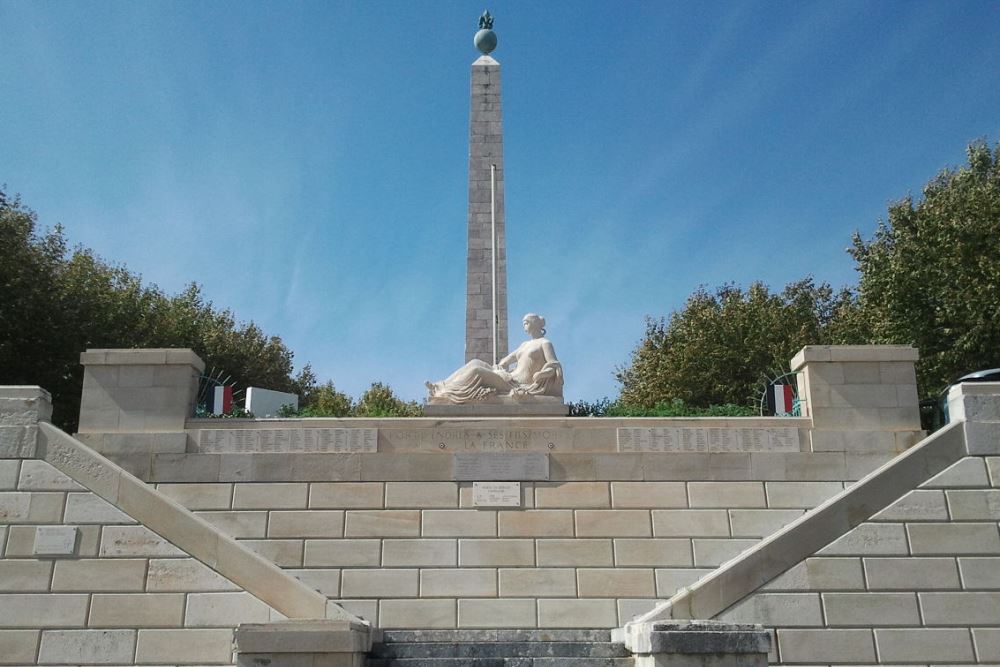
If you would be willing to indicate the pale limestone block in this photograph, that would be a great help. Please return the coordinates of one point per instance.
(412, 553)
(25, 610)
(31, 507)
(188, 468)
(90, 508)
(917, 505)
(126, 541)
(421, 495)
(992, 462)
(859, 464)
(382, 523)
(537, 582)
(652, 553)
(485, 553)
(872, 609)
(38, 475)
(974, 505)
(777, 609)
(270, 495)
(848, 419)
(503, 613)
(454, 582)
(964, 608)
(629, 608)
(184, 647)
(690, 523)
(3, 540)
(923, 645)
(670, 580)
(8, 474)
(714, 552)
(805, 495)
(908, 574)
(570, 552)
(970, 472)
(760, 523)
(283, 553)
(535, 523)
(953, 538)
(863, 396)
(798, 466)
(826, 646)
(981, 573)
(325, 581)
(987, 641)
(419, 614)
(366, 609)
(862, 372)
(379, 583)
(347, 495)
(306, 523)
(572, 494)
(25, 576)
(726, 494)
(817, 574)
(343, 553)
(613, 523)
(571, 613)
(18, 646)
(648, 494)
(184, 574)
(220, 610)
(87, 647)
(611, 582)
(207, 496)
(870, 539)
(252, 523)
(136, 376)
(119, 575)
(137, 610)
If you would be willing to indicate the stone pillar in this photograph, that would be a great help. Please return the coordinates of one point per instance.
(138, 400)
(485, 149)
(861, 398)
(978, 404)
(698, 644)
(21, 408)
(319, 643)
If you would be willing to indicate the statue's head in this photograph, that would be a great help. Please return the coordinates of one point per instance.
(534, 324)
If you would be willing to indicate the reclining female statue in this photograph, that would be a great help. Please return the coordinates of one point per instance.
(536, 372)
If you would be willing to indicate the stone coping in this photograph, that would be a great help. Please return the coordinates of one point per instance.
(182, 528)
(24, 392)
(142, 357)
(698, 637)
(849, 353)
(723, 587)
(575, 423)
(303, 636)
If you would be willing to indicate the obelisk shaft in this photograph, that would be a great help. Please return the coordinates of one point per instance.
(486, 213)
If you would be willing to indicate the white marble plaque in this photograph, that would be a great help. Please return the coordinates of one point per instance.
(281, 440)
(496, 494)
(473, 466)
(708, 439)
(55, 541)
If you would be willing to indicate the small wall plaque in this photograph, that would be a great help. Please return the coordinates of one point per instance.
(55, 541)
(496, 494)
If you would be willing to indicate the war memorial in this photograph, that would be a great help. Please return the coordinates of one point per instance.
(496, 531)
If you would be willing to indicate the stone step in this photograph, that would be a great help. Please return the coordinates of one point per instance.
(397, 636)
(500, 662)
(499, 649)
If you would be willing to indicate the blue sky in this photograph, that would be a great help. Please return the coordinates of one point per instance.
(306, 162)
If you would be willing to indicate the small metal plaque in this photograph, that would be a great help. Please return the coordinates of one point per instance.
(496, 494)
(469, 466)
(55, 541)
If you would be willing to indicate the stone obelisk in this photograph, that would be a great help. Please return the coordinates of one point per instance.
(486, 282)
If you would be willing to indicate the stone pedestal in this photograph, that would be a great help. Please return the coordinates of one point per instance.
(500, 406)
(859, 397)
(138, 399)
(21, 408)
(697, 644)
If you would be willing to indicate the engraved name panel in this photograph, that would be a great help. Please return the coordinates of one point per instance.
(479, 439)
(280, 440)
(708, 439)
(473, 466)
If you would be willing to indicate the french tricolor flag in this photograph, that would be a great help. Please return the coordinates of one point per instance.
(779, 399)
(221, 400)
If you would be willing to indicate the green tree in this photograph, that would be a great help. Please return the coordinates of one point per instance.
(719, 347)
(380, 401)
(930, 276)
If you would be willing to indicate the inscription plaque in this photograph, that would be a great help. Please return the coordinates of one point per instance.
(480, 439)
(279, 440)
(469, 466)
(496, 494)
(708, 439)
(55, 541)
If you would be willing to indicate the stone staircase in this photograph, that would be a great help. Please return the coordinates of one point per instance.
(498, 648)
